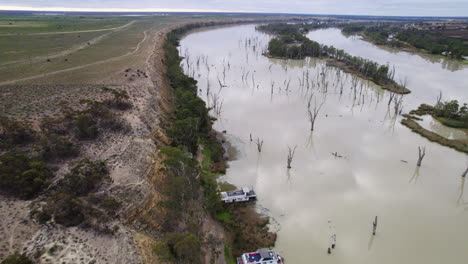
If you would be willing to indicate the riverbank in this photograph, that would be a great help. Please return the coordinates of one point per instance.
(460, 145)
(410, 121)
(406, 47)
(192, 133)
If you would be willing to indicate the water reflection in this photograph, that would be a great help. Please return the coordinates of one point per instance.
(460, 200)
(415, 176)
(269, 99)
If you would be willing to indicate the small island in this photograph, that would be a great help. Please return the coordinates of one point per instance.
(449, 114)
(292, 44)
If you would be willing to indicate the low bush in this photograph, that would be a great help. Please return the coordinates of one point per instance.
(14, 133)
(84, 177)
(53, 146)
(182, 248)
(17, 259)
(22, 176)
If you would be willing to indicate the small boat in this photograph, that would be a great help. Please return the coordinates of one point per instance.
(243, 195)
(261, 256)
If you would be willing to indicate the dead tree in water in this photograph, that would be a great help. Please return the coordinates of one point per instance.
(422, 153)
(464, 173)
(439, 98)
(291, 155)
(374, 225)
(259, 145)
(398, 104)
(392, 95)
(313, 114)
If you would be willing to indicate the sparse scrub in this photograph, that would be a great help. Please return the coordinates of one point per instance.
(84, 177)
(53, 146)
(14, 133)
(22, 176)
(17, 259)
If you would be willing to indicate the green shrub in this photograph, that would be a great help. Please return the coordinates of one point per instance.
(21, 176)
(84, 177)
(162, 250)
(184, 248)
(17, 259)
(15, 133)
(120, 100)
(43, 216)
(54, 146)
(85, 127)
(188, 249)
(110, 204)
(67, 209)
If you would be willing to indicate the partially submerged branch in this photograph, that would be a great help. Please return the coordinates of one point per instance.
(421, 154)
(291, 155)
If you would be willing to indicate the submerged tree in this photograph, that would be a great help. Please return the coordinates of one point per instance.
(259, 145)
(313, 114)
(290, 155)
(422, 153)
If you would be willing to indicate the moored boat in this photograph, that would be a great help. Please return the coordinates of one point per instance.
(261, 256)
(243, 195)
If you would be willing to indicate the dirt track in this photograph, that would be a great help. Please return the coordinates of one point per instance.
(137, 48)
(71, 32)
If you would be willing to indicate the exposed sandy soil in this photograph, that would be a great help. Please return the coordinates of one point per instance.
(129, 157)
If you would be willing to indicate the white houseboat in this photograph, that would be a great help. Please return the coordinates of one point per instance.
(243, 195)
(261, 256)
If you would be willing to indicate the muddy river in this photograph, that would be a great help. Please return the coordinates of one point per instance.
(359, 161)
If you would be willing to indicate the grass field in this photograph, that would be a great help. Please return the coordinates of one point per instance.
(38, 71)
(42, 24)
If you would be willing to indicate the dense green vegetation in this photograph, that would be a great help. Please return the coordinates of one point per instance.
(351, 29)
(287, 28)
(296, 46)
(181, 187)
(448, 113)
(430, 41)
(433, 42)
(17, 259)
(22, 176)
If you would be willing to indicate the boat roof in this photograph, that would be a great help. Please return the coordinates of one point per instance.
(265, 253)
(243, 191)
(235, 193)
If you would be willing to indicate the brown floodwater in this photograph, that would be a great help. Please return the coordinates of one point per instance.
(422, 212)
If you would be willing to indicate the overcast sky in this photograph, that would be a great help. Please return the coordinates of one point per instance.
(344, 7)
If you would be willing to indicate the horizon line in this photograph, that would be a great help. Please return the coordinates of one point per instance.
(186, 10)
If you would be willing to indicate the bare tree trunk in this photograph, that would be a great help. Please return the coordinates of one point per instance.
(313, 114)
(291, 155)
(374, 225)
(259, 145)
(422, 153)
(464, 173)
(439, 98)
(392, 95)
